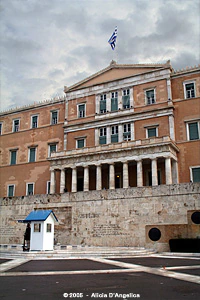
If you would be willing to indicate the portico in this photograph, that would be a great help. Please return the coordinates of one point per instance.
(120, 165)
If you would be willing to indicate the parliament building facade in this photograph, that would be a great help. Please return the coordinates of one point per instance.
(126, 126)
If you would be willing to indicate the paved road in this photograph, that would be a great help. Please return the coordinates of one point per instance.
(146, 278)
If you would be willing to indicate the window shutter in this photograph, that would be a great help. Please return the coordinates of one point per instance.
(151, 132)
(54, 117)
(34, 122)
(114, 138)
(13, 157)
(103, 106)
(102, 140)
(80, 143)
(81, 107)
(11, 191)
(193, 131)
(32, 155)
(114, 104)
(196, 174)
(52, 148)
(126, 101)
(30, 189)
(127, 133)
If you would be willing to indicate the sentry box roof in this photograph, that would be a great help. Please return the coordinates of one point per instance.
(39, 215)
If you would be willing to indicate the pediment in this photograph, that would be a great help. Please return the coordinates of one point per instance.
(115, 72)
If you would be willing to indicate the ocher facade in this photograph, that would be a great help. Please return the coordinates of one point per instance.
(126, 133)
(125, 126)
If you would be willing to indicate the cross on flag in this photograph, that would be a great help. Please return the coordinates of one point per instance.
(112, 39)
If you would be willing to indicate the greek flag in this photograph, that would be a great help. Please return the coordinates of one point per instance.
(112, 39)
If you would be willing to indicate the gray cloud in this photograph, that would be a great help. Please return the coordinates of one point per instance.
(51, 43)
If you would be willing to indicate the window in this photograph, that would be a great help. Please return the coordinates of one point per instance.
(114, 101)
(102, 135)
(80, 143)
(151, 132)
(37, 227)
(15, 125)
(34, 121)
(195, 174)
(49, 227)
(52, 148)
(54, 117)
(103, 103)
(193, 130)
(1, 126)
(126, 98)
(11, 190)
(150, 97)
(32, 154)
(30, 189)
(13, 157)
(127, 132)
(81, 111)
(189, 90)
(48, 187)
(114, 134)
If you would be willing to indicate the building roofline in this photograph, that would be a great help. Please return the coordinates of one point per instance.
(33, 105)
(114, 65)
(185, 71)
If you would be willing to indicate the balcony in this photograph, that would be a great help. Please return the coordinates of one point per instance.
(115, 147)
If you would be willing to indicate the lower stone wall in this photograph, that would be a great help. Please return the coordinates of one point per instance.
(121, 217)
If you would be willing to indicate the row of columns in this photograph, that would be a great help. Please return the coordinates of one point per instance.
(170, 175)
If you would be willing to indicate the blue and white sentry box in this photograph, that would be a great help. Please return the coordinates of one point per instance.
(42, 229)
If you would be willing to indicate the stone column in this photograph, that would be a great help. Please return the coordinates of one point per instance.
(96, 136)
(74, 180)
(168, 170)
(62, 181)
(86, 179)
(154, 172)
(132, 131)
(171, 127)
(108, 103)
(108, 135)
(98, 178)
(112, 176)
(120, 126)
(131, 98)
(175, 171)
(65, 141)
(139, 173)
(97, 104)
(125, 175)
(169, 91)
(52, 182)
(120, 106)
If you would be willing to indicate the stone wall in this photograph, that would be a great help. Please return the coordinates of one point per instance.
(120, 217)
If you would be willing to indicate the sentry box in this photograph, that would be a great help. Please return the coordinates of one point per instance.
(42, 229)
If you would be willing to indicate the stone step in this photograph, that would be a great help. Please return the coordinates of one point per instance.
(77, 251)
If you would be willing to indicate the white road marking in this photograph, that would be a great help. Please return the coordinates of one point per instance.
(126, 268)
(12, 264)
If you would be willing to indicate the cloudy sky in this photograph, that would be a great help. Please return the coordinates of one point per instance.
(46, 44)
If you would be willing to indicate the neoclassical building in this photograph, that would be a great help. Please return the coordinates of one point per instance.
(125, 126)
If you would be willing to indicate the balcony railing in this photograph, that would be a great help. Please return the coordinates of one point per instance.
(112, 147)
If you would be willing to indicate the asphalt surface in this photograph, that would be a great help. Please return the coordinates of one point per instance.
(61, 265)
(146, 278)
(2, 261)
(159, 262)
